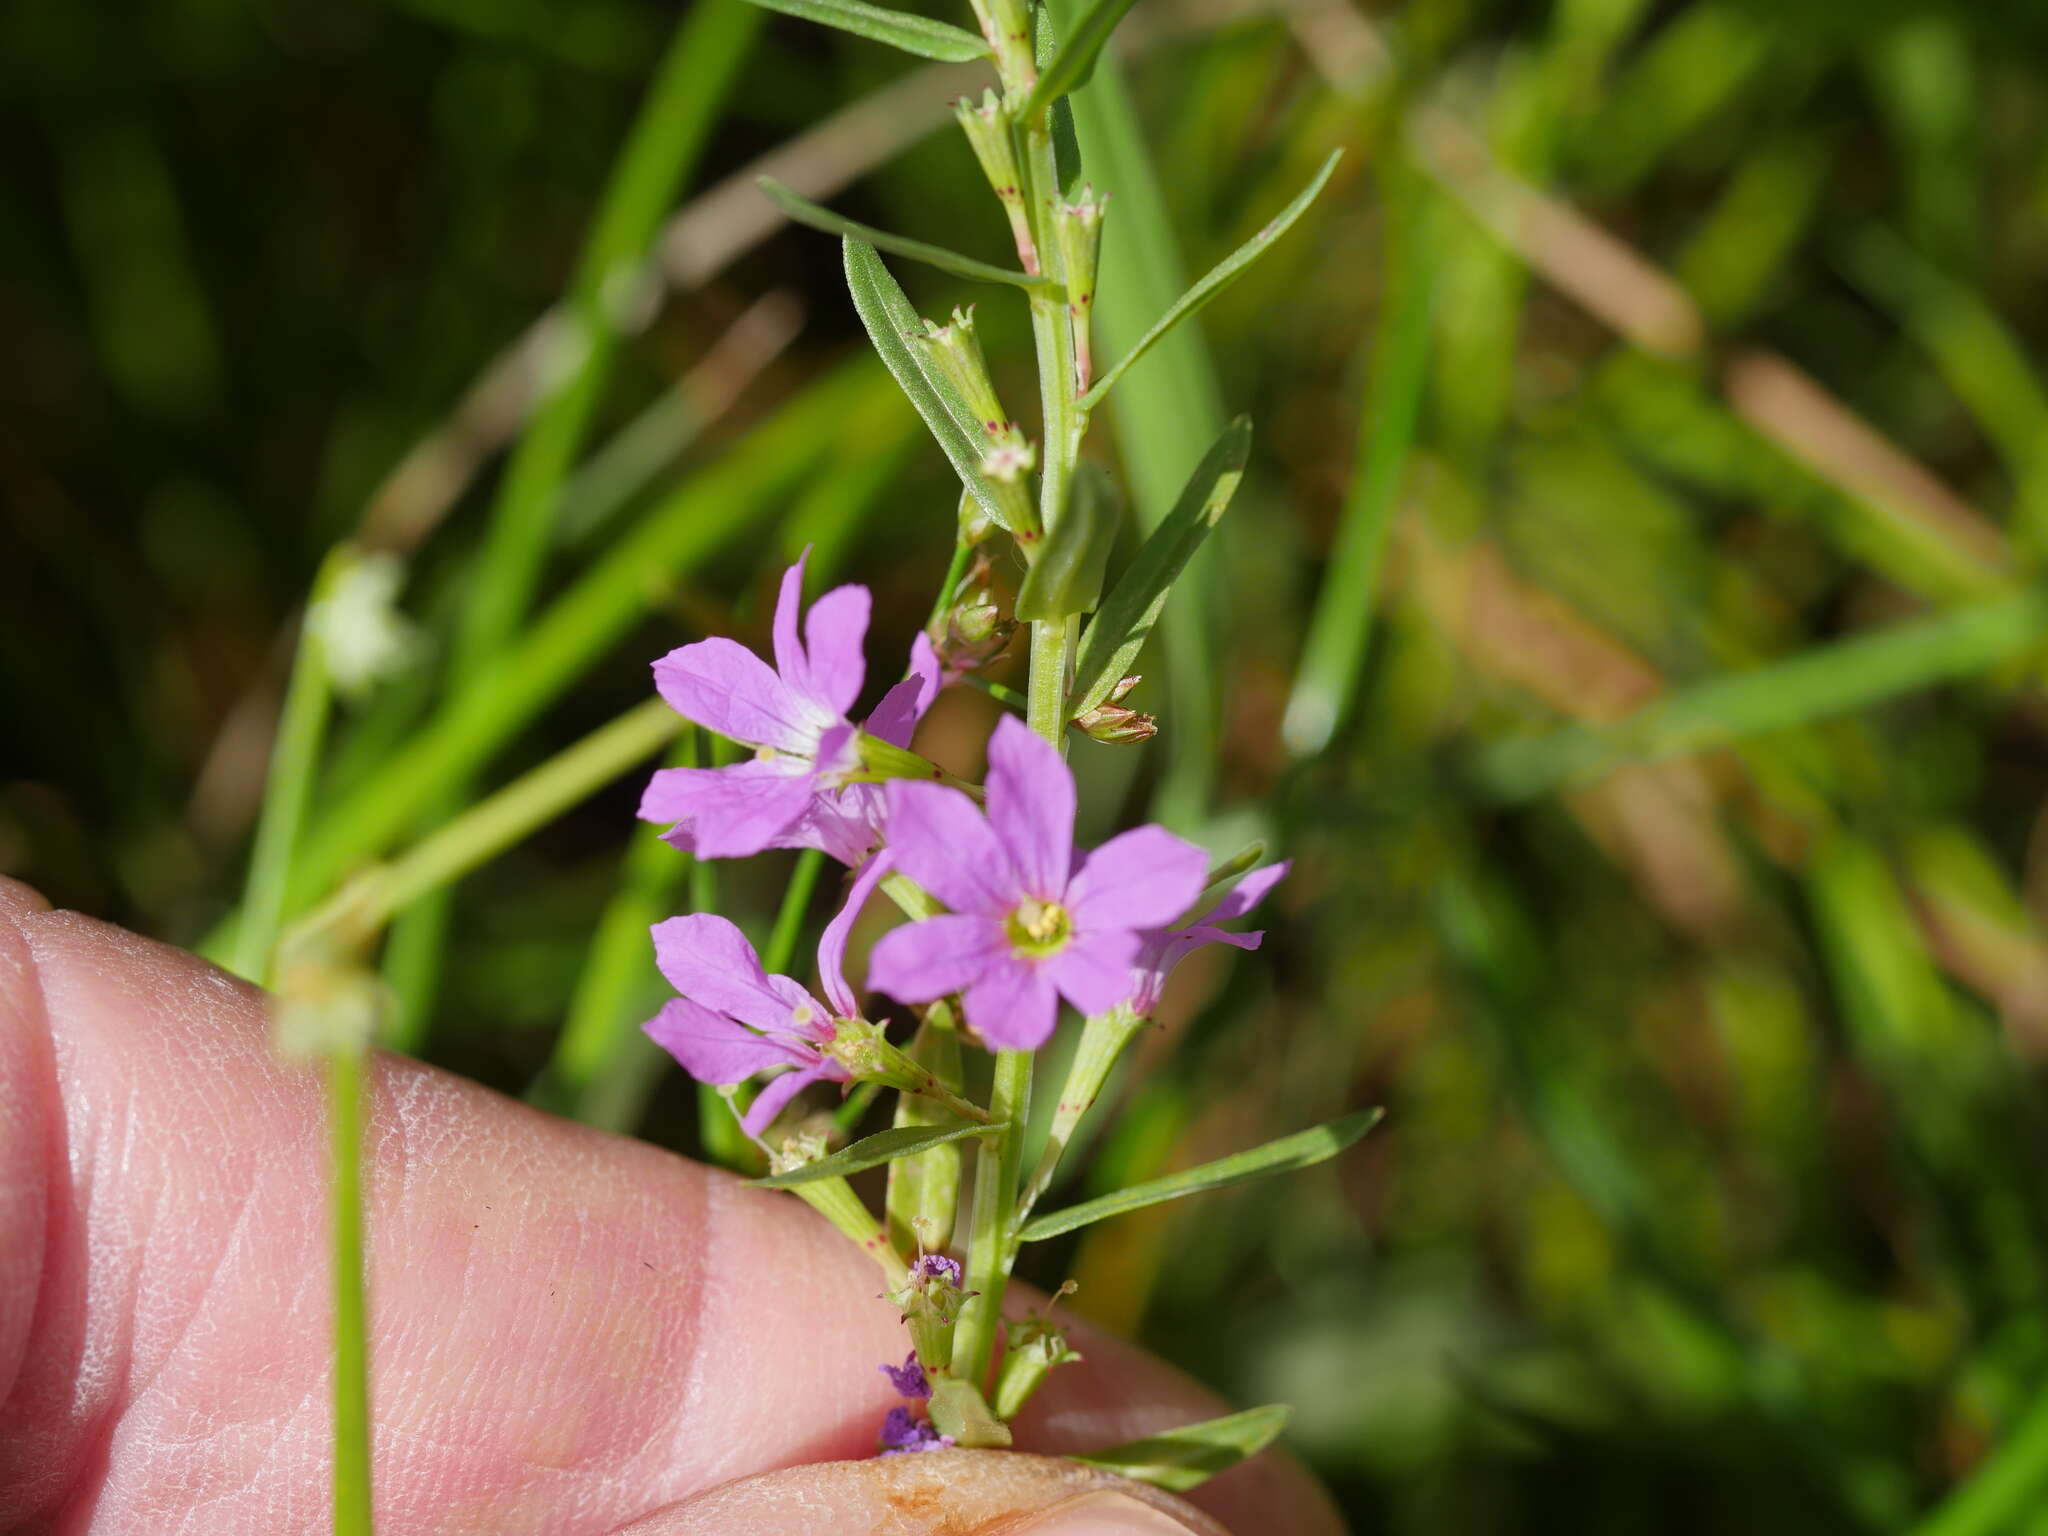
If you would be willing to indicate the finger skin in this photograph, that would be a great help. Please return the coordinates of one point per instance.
(569, 1329)
(930, 1493)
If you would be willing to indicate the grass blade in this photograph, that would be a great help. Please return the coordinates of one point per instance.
(873, 1151)
(1184, 1458)
(1339, 634)
(1304, 1149)
(1133, 607)
(601, 607)
(804, 211)
(1075, 62)
(920, 35)
(1216, 280)
(890, 321)
(1824, 681)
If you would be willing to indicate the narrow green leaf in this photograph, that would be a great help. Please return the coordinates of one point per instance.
(804, 211)
(1067, 575)
(890, 322)
(873, 1151)
(913, 34)
(1304, 1149)
(1133, 606)
(1187, 1457)
(1214, 281)
(1074, 63)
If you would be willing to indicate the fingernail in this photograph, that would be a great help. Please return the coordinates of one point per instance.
(1103, 1514)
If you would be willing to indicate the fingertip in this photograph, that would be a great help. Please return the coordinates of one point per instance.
(932, 1493)
(18, 898)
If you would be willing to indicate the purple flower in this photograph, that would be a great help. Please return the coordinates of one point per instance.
(1029, 922)
(908, 1378)
(1161, 949)
(735, 1021)
(901, 1432)
(936, 1266)
(792, 793)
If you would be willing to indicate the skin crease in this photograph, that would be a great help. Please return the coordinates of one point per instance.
(572, 1332)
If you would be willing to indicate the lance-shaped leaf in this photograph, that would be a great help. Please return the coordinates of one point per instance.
(1075, 62)
(913, 34)
(873, 1151)
(1187, 1457)
(1125, 621)
(890, 322)
(1304, 1149)
(804, 211)
(1067, 575)
(1215, 280)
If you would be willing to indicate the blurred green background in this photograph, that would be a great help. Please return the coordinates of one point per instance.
(1627, 625)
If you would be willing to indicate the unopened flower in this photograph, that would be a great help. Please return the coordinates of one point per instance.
(734, 1021)
(1029, 923)
(902, 1432)
(793, 792)
(1162, 949)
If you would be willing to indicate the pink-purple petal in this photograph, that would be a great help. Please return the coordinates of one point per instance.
(1247, 893)
(774, 1094)
(895, 719)
(1143, 878)
(844, 823)
(737, 811)
(942, 842)
(789, 650)
(922, 961)
(714, 1049)
(1093, 971)
(1012, 1005)
(725, 687)
(709, 960)
(834, 631)
(832, 947)
(1031, 806)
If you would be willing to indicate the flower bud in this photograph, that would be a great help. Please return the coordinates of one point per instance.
(1035, 1347)
(988, 126)
(1007, 463)
(1111, 722)
(1077, 226)
(930, 1299)
(956, 353)
(1010, 456)
(974, 633)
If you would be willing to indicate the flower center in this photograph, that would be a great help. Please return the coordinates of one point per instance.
(1039, 928)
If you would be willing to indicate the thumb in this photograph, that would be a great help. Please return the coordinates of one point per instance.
(932, 1493)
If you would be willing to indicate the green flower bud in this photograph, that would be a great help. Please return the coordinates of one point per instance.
(1077, 226)
(989, 129)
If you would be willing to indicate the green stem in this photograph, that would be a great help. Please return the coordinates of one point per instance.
(495, 824)
(1103, 1039)
(835, 1200)
(288, 790)
(789, 917)
(1045, 701)
(955, 569)
(990, 1250)
(351, 1350)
